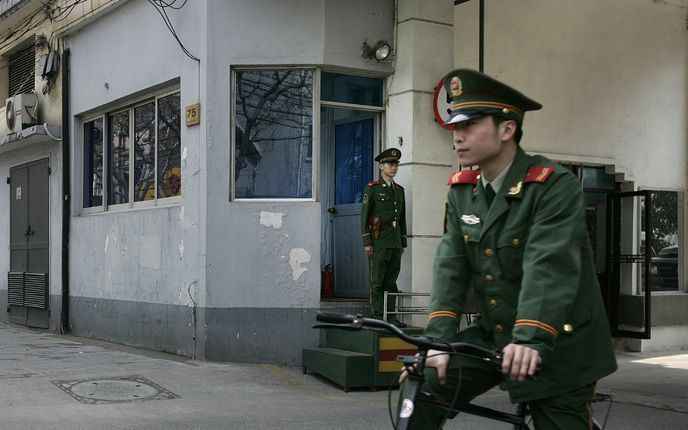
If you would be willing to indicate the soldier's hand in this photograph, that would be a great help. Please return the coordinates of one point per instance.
(520, 361)
(368, 250)
(437, 359)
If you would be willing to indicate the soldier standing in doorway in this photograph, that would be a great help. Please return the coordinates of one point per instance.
(383, 226)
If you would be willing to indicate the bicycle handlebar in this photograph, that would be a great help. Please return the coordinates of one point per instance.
(424, 343)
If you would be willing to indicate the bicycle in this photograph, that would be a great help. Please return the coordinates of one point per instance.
(415, 366)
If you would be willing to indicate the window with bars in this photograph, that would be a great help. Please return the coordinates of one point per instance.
(132, 155)
(21, 71)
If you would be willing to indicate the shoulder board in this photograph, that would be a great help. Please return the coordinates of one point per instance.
(400, 187)
(464, 177)
(538, 174)
(371, 183)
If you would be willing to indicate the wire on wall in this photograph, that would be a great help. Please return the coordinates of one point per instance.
(160, 6)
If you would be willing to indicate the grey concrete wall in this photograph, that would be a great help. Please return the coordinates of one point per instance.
(263, 280)
(154, 326)
(136, 274)
(242, 270)
(4, 316)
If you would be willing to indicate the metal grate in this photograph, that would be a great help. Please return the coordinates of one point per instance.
(36, 290)
(15, 288)
(27, 289)
(21, 71)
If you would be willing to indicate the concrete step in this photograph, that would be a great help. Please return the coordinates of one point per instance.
(347, 369)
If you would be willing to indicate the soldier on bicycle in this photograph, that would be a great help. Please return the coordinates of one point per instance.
(514, 229)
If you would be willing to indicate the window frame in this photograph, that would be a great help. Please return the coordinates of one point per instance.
(315, 124)
(682, 288)
(129, 106)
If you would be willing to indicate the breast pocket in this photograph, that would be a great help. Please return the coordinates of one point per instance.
(510, 247)
(383, 203)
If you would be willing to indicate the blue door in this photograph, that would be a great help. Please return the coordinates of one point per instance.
(352, 142)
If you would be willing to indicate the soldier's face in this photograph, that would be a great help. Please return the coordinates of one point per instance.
(477, 141)
(389, 169)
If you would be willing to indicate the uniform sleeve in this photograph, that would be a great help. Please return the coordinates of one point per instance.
(366, 209)
(551, 265)
(402, 224)
(450, 280)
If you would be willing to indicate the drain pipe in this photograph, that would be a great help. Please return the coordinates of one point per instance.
(66, 192)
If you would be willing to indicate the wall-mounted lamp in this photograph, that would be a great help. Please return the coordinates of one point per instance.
(380, 51)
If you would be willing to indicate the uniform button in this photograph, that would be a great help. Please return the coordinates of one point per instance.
(499, 328)
(568, 328)
(396, 210)
(489, 278)
(492, 303)
(465, 238)
(489, 252)
(516, 242)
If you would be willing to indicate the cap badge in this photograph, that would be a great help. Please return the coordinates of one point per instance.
(394, 153)
(456, 86)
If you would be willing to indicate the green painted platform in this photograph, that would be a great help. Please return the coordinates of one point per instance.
(359, 359)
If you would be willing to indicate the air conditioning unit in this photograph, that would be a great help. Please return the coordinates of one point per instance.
(3, 124)
(21, 111)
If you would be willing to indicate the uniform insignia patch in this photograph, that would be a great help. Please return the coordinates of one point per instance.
(538, 174)
(470, 219)
(516, 189)
(365, 198)
(464, 177)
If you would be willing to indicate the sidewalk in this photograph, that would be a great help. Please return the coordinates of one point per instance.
(56, 382)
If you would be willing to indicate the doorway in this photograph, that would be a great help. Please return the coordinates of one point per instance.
(27, 283)
(351, 115)
(350, 140)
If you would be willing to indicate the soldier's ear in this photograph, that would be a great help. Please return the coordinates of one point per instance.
(507, 130)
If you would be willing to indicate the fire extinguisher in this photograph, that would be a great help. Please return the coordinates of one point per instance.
(327, 284)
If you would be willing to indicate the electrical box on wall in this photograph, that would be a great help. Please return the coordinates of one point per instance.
(20, 112)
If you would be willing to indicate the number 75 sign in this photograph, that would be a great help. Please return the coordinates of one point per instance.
(193, 114)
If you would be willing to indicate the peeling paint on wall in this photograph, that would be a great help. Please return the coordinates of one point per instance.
(297, 258)
(271, 219)
(181, 250)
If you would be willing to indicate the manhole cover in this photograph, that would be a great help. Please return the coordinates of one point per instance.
(115, 390)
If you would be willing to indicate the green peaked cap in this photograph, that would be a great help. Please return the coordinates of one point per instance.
(391, 154)
(473, 94)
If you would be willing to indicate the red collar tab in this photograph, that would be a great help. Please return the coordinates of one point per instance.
(464, 177)
(371, 183)
(538, 174)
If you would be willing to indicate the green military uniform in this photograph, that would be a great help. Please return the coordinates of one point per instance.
(529, 259)
(383, 225)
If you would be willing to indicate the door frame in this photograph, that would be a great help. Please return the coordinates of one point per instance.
(615, 258)
(327, 161)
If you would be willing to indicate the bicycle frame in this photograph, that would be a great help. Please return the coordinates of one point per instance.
(413, 395)
(416, 367)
